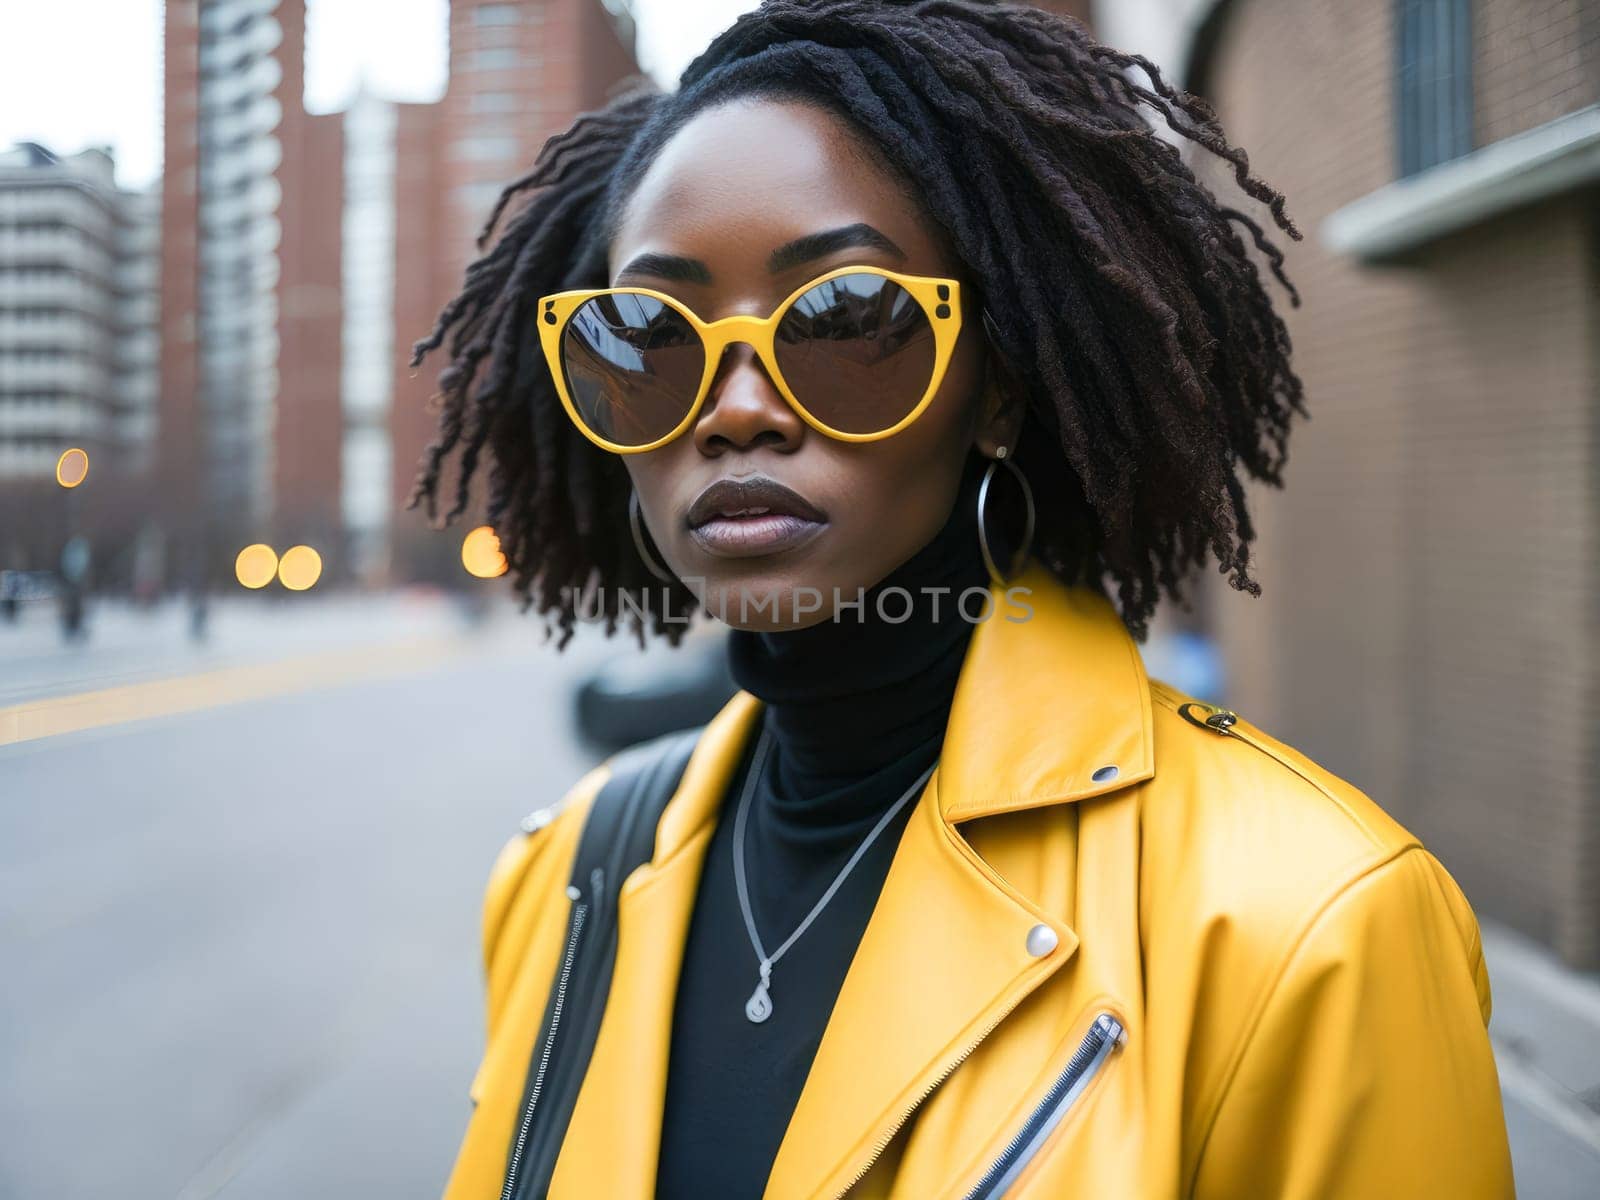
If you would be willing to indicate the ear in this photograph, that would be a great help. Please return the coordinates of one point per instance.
(1000, 408)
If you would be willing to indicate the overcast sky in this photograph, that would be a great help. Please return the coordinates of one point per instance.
(76, 73)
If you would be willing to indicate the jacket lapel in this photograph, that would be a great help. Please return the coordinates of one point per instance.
(1042, 707)
(943, 959)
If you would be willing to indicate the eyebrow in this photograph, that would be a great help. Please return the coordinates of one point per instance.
(791, 254)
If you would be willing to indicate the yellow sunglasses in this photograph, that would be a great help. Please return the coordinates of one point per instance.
(858, 353)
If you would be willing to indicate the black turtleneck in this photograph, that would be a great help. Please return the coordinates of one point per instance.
(856, 708)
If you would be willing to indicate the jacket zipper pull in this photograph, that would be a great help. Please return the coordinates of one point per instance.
(1218, 720)
(1105, 1035)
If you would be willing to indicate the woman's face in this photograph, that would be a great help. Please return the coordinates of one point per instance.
(733, 185)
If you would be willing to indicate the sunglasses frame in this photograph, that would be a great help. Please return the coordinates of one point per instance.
(939, 298)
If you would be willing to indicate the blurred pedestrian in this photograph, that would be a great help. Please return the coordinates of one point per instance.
(199, 613)
(69, 596)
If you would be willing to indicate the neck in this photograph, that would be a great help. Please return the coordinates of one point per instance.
(857, 691)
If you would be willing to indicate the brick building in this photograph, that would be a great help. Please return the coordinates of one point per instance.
(520, 71)
(1081, 9)
(309, 426)
(1428, 627)
(249, 288)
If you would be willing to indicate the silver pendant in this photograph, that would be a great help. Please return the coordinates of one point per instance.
(759, 1007)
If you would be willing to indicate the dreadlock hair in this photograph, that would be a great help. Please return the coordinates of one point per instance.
(1123, 298)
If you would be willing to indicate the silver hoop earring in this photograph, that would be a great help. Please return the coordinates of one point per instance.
(637, 525)
(983, 536)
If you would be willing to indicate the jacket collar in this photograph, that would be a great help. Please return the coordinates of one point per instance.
(1045, 704)
(1052, 693)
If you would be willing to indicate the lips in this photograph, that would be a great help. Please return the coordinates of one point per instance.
(750, 498)
(752, 518)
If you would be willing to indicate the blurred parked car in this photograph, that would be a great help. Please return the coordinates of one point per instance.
(635, 695)
(21, 587)
(640, 694)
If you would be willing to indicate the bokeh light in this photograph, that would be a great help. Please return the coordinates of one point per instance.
(72, 468)
(256, 565)
(480, 553)
(300, 567)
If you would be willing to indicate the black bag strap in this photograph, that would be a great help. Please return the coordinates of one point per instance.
(618, 835)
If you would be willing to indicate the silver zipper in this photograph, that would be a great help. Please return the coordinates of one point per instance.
(578, 913)
(882, 1143)
(1105, 1035)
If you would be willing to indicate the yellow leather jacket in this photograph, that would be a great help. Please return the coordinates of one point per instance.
(1130, 946)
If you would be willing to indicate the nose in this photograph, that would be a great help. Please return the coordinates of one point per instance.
(744, 407)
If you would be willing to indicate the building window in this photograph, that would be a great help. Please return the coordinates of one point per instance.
(1433, 81)
(490, 58)
(484, 149)
(496, 14)
(492, 102)
(478, 197)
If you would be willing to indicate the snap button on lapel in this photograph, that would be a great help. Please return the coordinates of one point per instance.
(537, 820)
(1041, 940)
(1104, 775)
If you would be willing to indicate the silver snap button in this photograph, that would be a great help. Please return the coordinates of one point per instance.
(1104, 775)
(573, 893)
(1041, 940)
(536, 820)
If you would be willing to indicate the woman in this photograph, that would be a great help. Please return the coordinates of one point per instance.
(898, 340)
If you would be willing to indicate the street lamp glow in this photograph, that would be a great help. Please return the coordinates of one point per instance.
(256, 565)
(72, 468)
(480, 553)
(300, 568)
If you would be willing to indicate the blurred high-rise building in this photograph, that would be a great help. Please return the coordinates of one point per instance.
(78, 354)
(304, 254)
(372, 159)
(77, 314)
(520, 71)
(250, 286)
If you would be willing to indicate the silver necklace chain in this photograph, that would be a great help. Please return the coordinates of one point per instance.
(759, 1007)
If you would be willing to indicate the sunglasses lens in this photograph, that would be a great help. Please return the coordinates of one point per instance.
(858, 351)
(633, 365)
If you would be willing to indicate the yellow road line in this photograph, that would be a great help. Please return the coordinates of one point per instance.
(211, 689)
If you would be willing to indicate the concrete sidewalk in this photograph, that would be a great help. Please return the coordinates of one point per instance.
(124, 644)
(1546, 1030)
